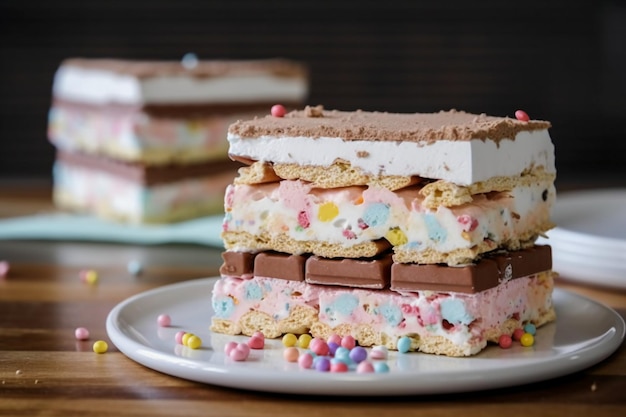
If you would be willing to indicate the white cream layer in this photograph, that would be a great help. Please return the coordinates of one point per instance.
(459, 162)
(95, 86)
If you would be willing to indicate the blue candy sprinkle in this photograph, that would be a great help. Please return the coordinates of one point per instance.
(404, 344)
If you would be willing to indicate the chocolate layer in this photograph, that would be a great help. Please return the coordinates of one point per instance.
(237, 263)
(279, 265)
(487, 273)
(381, 273)
(360, 273)
(146, 174)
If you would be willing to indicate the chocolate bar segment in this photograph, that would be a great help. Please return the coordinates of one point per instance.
(524, 262)
(279, 265)
(487, 273)
(237, 263)
(361, 273)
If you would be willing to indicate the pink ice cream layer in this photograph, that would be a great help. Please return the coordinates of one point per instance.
(464, 319)
(353, 215)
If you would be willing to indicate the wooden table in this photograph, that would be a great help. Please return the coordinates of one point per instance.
(45, 371)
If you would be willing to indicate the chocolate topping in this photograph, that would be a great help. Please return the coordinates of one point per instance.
(379, 273)
(145, 174)
(203, 69)
(237, 263)
(484, 274)
(360, 273)
(375, 126)
(279, 265)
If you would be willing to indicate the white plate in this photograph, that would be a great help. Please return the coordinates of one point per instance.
(572, 269)
(585, 333)
(594, 218)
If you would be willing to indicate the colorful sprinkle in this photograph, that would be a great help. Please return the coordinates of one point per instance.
(305, 360)
(332, 348)
(278, 110)
(319, 347)
(518, 333)
(291, 354)
(194, 342)
(81, 333)
(256, 342)
(164, 320)
(185, 338)
(289, 340)
(229, 347)
(89, 276)
(505, 341)
(327, 211)
(178, 337)
(240, 352)
(404, 344)
(521, 115)
(468, 222)
(304, 340)
(381, 367)
(379, 352)
(358, 354)
(396, 237)
(4, 268)
(365, 367)
(338, 366)
(334, 338)
(530, 328)
(100, 346)
(343, 354)
(348, 341)
(527, 340)
(321, 364)
(134, 268)
(189, 60)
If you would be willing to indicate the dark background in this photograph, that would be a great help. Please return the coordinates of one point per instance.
(563, 61)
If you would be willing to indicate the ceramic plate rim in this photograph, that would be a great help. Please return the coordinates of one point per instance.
(247, 377)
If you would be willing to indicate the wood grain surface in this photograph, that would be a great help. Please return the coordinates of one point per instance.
(44, 371)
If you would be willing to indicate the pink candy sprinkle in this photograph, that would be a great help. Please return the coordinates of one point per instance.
(164, 320)
(229, 347)
(305, 361)
(240, 352)
(334, 338)
(365, 367)
(319, 347)
(4, 269)
(278, 110)
(291, 354)
(81, 333)
(521, 115)
(518, 333)
(348, 342)
(179, 337)
(338, 367)
(379, 352)
(256, 342)
(505, 341)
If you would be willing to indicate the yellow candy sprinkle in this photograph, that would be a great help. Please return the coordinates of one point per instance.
(100, 346)
(327, 212)
(396, 237)
(194, 342)
(466, 236)
(91, 277)
(527, 339)
(186, 338)
(289, 340)
(304, 340)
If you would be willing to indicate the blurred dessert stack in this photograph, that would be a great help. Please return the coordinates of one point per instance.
(145, 141)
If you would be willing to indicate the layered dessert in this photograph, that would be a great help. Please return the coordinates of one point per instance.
(387, 225)
(163, 122)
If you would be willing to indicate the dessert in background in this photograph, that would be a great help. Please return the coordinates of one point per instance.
(384, 226)
(145, 142)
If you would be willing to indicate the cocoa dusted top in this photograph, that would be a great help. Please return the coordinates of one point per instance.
(315, 122)
(203, 69)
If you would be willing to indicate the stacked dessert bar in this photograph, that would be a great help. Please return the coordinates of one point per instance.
(384, 226)
(145, 142)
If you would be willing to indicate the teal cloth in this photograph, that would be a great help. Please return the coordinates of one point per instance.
(62, 226)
